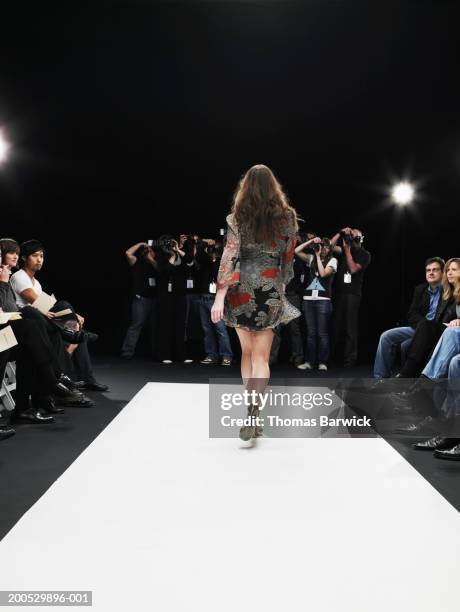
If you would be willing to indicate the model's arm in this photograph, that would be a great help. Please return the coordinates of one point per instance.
(229, 272)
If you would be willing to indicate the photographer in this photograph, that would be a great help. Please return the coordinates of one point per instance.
(353, 261)
(172, 305)
(216, 340)
(293, 293)
(317, 305)
(141, 259)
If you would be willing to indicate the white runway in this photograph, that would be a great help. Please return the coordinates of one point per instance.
(155, 516)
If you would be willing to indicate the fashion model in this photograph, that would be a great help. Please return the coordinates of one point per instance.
(256, 265)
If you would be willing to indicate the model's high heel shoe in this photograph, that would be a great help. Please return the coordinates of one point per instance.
(247, 432)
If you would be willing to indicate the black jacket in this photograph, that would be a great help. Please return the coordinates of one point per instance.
(421, 303)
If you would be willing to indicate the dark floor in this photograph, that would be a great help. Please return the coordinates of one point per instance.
(33, 459)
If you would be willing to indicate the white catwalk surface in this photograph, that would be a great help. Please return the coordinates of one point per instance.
(155, 515)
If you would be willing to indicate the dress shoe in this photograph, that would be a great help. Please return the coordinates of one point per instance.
(61, 390)
(46, 405)
(93, 385)
(453, 454)
(378, 386)
(77, 337)
(402, 403)
(77, 401)
(71, 384)
(6, 432)
(32, 416)
(426, 425)
(436, 443)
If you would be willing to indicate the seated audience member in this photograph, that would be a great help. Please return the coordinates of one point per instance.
(426, 304)
(27, 288)
(141, 259)
(38, 371)
(317, 304)
(6, 431)
(428, 331)
(217, 344)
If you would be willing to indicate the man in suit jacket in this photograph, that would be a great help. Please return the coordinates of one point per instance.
(426, 304)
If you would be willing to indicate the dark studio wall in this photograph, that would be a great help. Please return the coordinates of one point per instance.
(129, 119)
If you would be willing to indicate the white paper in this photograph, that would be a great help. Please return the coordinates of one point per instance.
(9, 316)
(212, 287)
(347, 278)
(44, 302)
(63, 313)
(152, 282)
(7, 339)
(190, 283)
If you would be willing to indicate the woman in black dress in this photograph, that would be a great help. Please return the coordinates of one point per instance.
(256, 266)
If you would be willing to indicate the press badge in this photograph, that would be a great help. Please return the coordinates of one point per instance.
(170, 287)
(302, 278)
(347, 278)
(190, 283)
(314, 293)
(212, 287)
(152, 282)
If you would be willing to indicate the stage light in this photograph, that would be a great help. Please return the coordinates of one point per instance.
(402, 193)
(4, 148)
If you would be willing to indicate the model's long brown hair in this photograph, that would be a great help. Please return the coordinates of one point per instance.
(448, 289)
(260, 205)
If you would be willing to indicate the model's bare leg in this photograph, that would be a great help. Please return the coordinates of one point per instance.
(261, 346)
(245, 338)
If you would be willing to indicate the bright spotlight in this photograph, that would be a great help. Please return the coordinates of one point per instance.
(402, 193)
(4, 148)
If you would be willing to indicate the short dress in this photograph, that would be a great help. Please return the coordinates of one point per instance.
(254, 274)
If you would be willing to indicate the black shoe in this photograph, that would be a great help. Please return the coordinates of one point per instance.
(6, 432)
(93, 385)
(33, 416)
(453, 454)
(402, 402)
(425, 426)
(380, 385)
(46, 405)
(436, 443)
(61, 390)
(73, 385)
(77, 337)
(77, 401)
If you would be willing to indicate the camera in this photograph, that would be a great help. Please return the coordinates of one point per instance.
(317, 246)
(347, 237)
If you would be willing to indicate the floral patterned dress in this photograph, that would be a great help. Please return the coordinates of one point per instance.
(254, 274)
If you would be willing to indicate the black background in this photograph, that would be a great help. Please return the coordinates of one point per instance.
(129, 119)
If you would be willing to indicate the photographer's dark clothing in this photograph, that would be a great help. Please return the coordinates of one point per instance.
(301, 278)
(347, 292)
(426, 304)
(427, 334)
(143, 310)
(144, 278)
(172, 278)
(345, 322)
(209, 270)
(347, 283)
(172, 312)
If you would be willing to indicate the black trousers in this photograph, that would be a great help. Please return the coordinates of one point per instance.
(345, 324)
(172, 311)
(35, 371)
(423, 342)
(61, 358)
